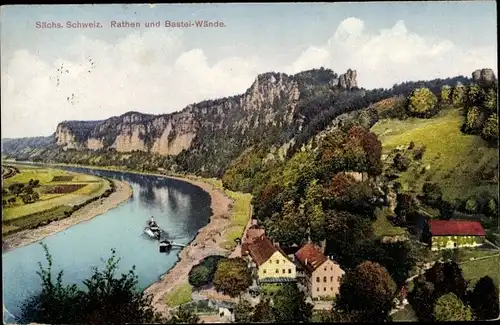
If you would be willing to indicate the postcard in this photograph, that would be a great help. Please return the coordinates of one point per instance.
(244, 162)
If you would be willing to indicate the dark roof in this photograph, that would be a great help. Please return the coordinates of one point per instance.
(262, 249)
(290, 250)
(310, 257)
(456, 228)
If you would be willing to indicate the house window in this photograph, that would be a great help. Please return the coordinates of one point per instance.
(277, 271)
(325, 268)
(270, 261)
(283, 271)
(324, 279)
(277, 261)
(331, 288)
(317, 279)
(289, 271)
(331, 269)
(317, 289)
(331, 279)
(324, 289)
(264, 271)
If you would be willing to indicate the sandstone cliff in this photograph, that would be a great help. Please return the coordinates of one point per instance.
(271, 101)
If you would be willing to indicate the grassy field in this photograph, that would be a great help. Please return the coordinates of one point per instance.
(241, 212)
(59, 190)
(474, 270)
(383, 227)
(179, 296)
(455, 159)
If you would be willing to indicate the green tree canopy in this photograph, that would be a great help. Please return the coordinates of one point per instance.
(445, 94)
(199, 276)
(432, 193)
(422, 103)
(474, 120)
(263, 312)
(449, 308)
(289, 305)
(490, 129)
(458, 95)
(232, 276)
(243, 312)
(484, 299)
(490, 100)
(108, 298)
(368, 289)
(422, 299)
(475, 95)
(349, 238)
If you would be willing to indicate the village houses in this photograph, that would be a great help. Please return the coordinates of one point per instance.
(269, 262)
(323, 276)
(315, 273)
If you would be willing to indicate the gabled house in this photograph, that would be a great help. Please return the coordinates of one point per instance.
(270, 263)
(323, 275)
(447, 234)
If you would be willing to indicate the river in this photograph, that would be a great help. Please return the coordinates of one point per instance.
(179, 208)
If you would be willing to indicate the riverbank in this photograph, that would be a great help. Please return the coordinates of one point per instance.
(210, 240)
(207, 242)
(25, 237)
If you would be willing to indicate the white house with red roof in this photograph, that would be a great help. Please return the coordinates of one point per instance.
(322, 274)
(449, 234)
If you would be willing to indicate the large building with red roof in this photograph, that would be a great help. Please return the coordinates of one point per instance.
(322, 274)
(447, 234)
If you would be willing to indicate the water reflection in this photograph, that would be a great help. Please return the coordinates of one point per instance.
(179, 208)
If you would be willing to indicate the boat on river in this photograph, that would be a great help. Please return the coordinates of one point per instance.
(152, 230)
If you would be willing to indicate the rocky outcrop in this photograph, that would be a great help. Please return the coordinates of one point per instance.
(484, 78)
(65, 138)
(346, 80)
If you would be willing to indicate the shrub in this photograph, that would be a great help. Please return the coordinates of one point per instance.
(432, 193)
(401, 162)
(419, 153)
(471, 205)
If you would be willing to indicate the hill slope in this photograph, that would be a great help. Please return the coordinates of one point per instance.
(462, 164)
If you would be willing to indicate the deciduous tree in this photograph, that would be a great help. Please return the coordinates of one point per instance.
(445, 94)
(449, 308)
(349, 238)
(290, 306)
(432, 193)
(107, 299)
(232, 276)
(484, 299)
(458, 95)
(490, 129)
(243, 312)
(263, 312)
(422, 103)
(369, 290)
